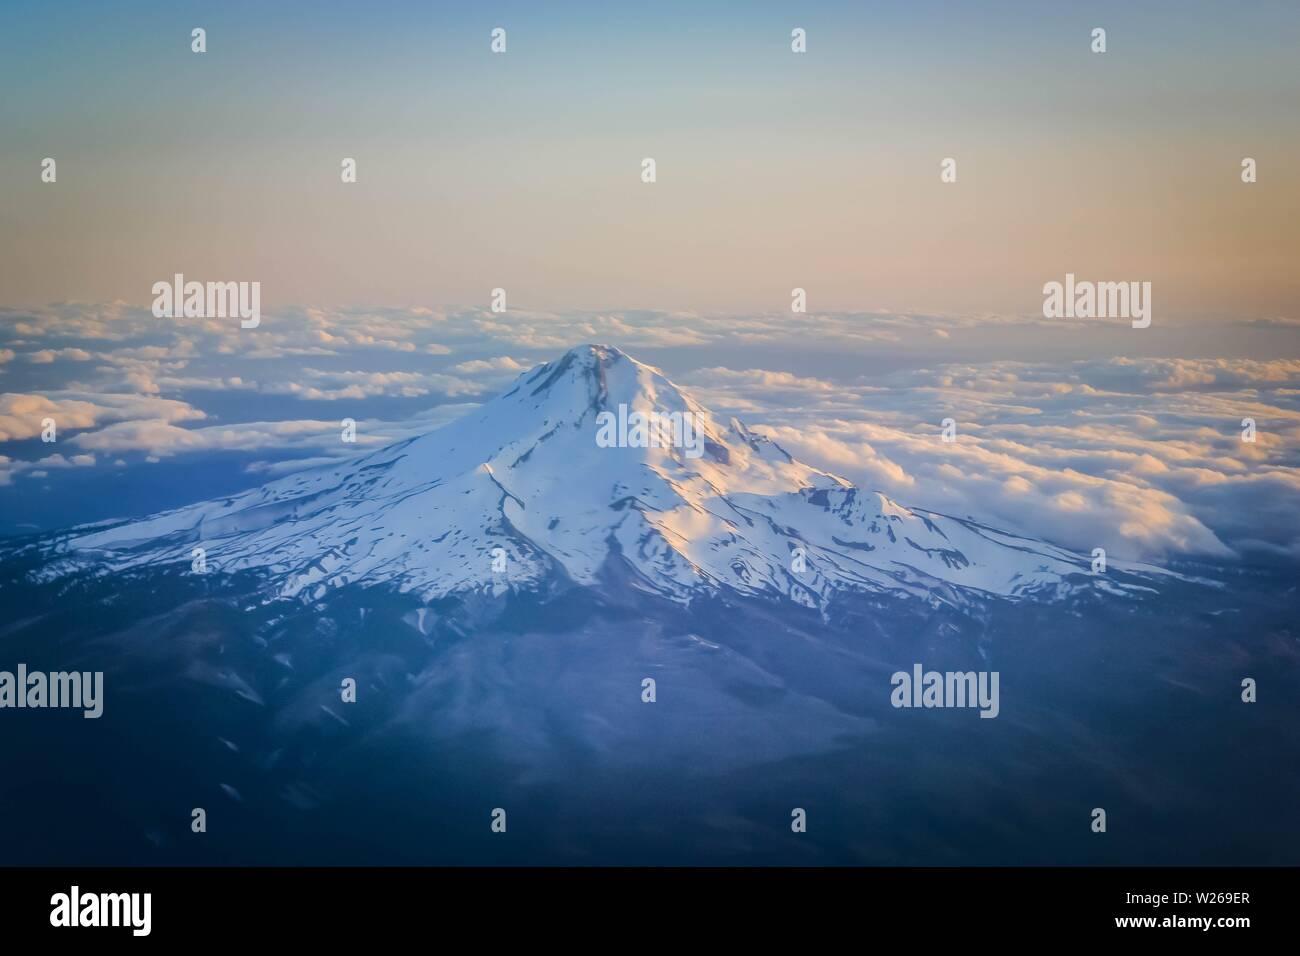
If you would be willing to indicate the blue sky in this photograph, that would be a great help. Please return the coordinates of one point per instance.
(522, 170)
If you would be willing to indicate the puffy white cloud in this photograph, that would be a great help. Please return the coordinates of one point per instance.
(41, 467)
(330, 386)
(162, 439)
(21, 414)
(293, 437)
(46, 356)
(967, 478)
(1088, 454)
(503, 363)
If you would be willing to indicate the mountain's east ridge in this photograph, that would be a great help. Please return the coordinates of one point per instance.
(520, 495)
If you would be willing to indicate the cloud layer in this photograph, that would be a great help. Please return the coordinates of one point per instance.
(1142, 456)
(1145, 458)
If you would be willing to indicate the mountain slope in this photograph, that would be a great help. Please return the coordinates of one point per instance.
(521, 495)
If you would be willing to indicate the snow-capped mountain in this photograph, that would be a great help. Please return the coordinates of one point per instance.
(526, 494)
(685, 641)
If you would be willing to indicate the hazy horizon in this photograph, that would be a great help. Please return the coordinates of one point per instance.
(774, 170)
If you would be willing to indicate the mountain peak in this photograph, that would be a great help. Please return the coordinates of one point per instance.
(587, 381)
(589, 360)
(596, 353)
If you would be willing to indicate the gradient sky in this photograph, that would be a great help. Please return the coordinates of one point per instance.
(775, 170)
